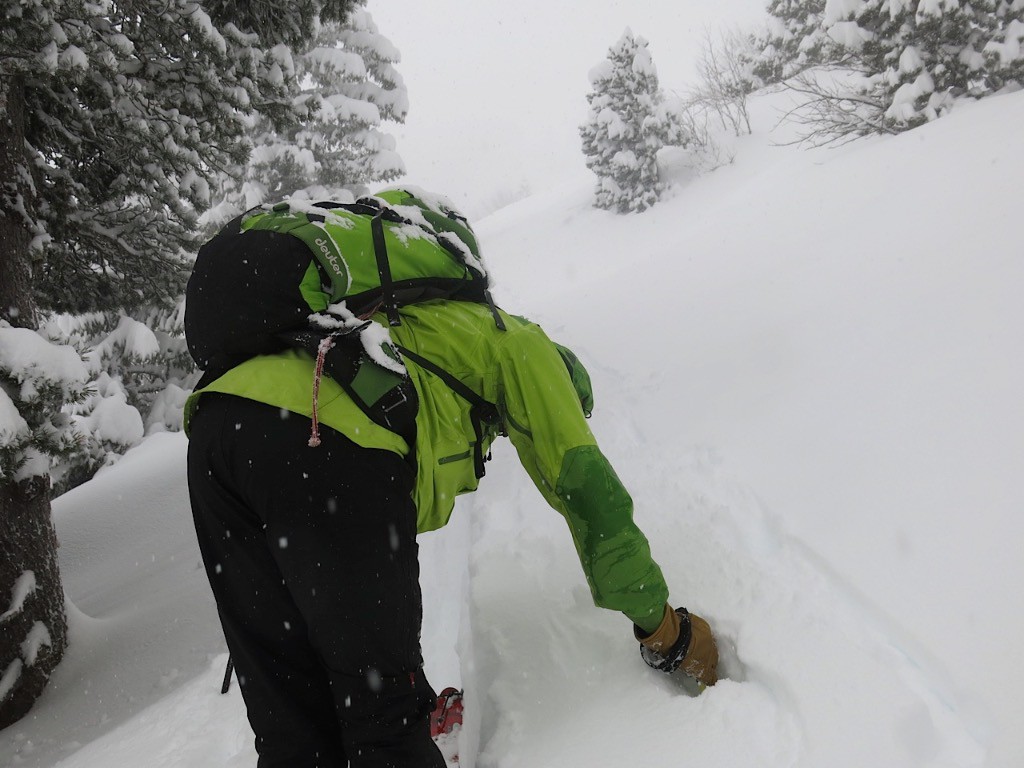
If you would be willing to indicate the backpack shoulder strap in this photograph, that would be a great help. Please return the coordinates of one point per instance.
(481, 410)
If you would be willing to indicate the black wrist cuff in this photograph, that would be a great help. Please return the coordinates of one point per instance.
(670, 660)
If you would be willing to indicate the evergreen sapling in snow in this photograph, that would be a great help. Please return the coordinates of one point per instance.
(629, 121)
(140, 373)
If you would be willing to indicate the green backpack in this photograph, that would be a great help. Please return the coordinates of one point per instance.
(382, 252)
(309, 276)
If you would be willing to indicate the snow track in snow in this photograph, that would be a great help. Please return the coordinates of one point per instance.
(823, 680)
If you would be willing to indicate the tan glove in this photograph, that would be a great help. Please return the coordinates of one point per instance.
(682, 640)
(701, 659)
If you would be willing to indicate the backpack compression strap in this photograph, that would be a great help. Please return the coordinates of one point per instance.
(387, 285)
(481, 411)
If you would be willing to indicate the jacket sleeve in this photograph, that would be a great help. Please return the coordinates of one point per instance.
(546, 424)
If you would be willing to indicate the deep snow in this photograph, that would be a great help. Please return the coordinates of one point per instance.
(807, 367)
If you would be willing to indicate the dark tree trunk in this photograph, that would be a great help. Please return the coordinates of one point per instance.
(33, 629)
(16, 302)
(33, 622)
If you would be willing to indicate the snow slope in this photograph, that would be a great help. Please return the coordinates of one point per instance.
(807, 367)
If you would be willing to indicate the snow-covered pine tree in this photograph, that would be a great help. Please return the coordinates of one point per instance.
(367, 154)
(913, 60)
(140, 373)
(129, 109)
(628, 122)
(1004, 52)
(292, 23)
(793, 40)
(113, 119)
(36, 380)
(349, 82)
(923, 55)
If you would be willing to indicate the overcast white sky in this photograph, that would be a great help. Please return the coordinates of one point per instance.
(498, 89)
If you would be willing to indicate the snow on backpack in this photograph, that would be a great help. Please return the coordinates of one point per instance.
(310, 275)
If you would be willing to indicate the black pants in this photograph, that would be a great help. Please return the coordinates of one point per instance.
(312, 557)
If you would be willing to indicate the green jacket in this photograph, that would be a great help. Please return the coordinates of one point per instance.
(519, 370)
